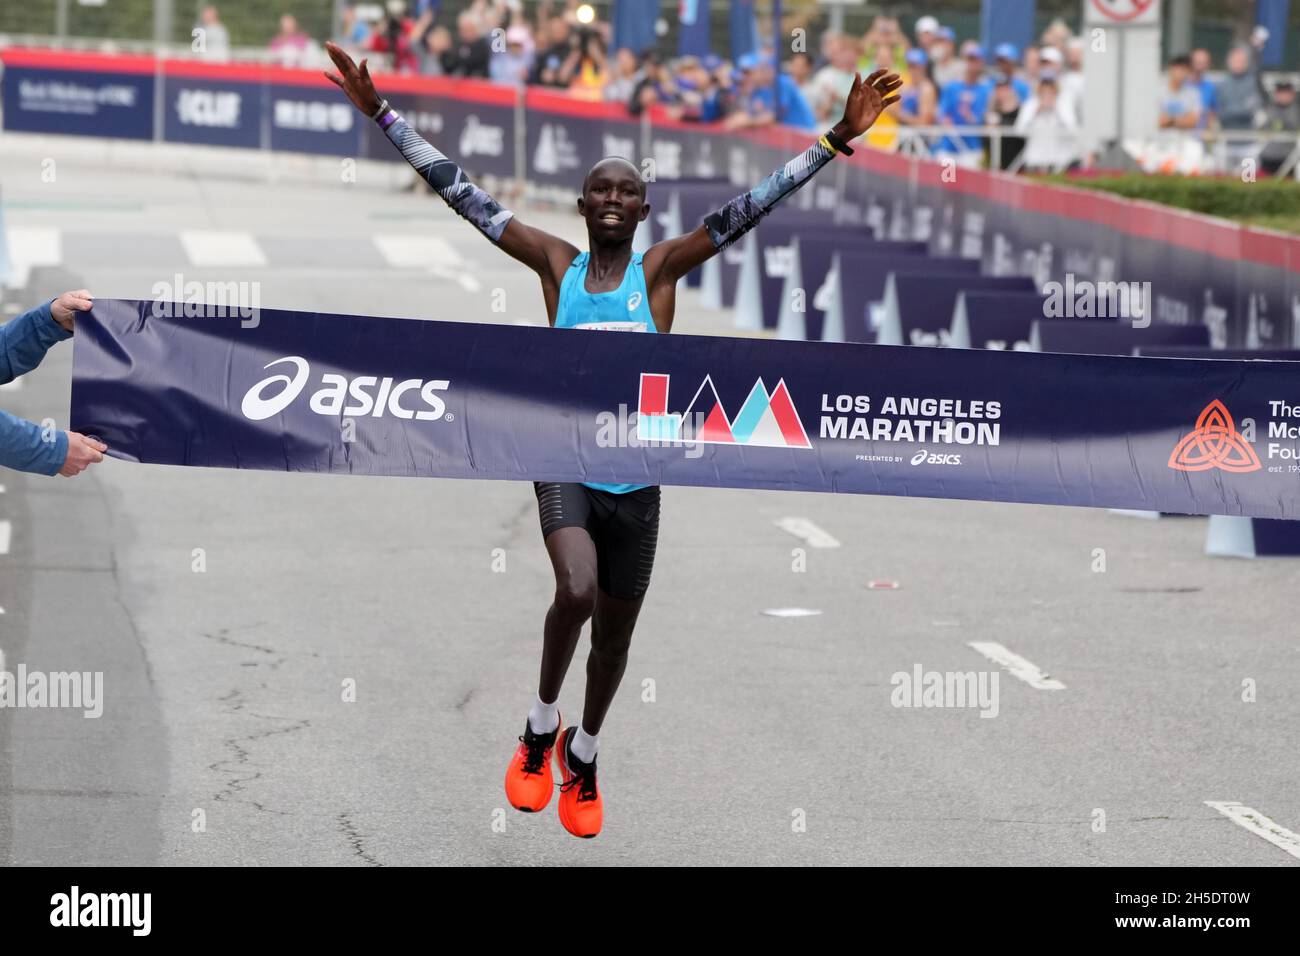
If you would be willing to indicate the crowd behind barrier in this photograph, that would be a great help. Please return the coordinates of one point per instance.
(1168, 267)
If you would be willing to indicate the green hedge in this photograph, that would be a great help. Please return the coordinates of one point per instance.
(1274, 203)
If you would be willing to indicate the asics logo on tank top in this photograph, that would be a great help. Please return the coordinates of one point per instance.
(634, 301)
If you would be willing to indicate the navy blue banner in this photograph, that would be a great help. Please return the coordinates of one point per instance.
(314, 392)
(212, 112)
(81, 103)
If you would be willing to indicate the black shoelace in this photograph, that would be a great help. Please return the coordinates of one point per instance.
(584, 778)
(536, 752)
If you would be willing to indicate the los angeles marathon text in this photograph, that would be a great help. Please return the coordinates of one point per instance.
(949, 421)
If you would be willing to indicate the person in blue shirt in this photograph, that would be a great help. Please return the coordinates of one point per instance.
(1005, 60)
(1200, 78)
(758, 103)
(965, 102)
(24, 445)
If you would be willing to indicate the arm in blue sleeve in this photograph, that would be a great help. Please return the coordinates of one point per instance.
(23, 446)
(25, 340)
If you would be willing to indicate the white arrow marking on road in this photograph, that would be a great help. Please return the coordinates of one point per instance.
(805, 529)
(1258, 824)
(1030, 673)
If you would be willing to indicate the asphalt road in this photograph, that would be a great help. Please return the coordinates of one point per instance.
(228, 611)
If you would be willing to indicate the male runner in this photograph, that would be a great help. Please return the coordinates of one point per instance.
(600, 537)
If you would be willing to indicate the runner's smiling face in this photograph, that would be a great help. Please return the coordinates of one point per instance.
(613, 201)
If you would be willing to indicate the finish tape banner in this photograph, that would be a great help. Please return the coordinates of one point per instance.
(186, 384)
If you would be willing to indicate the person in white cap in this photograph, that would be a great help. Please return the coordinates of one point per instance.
(925, 31)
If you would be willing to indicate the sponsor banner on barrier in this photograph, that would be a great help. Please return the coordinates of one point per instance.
(214, 113)
(79, 102)
(174, 384)
(481, 136)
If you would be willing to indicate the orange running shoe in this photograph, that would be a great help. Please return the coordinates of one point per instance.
(528, 778)
(581, 808)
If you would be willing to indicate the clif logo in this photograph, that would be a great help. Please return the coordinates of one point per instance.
(1214, 443)
(767, 419)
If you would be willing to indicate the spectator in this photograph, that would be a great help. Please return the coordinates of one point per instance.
(26, 446)
(965, 102)
(699, 97)
(561, 41)
(653, 85)
(622, 80)
(1005, 59)
(884, 31)
(512, 66)
(1240, 96)
(470, 54)
(291, 46)
(831, 84)
(800, 67)
(1051, 132)
(437, 44)
(585, 68)
(945, 67)
(926, 29)
(397, 37)
(216, 38)
(1180, 102)
(1200, 78)
(354, 33)
(919, 99)
(1070, 80)
(1005, 104)
(1282, 115)
(758, 105)
(1031, 64)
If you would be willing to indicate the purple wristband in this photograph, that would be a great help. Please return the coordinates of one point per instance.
(388, 119)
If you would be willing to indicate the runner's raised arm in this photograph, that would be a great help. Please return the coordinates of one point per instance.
(547, 255)
(671, 259)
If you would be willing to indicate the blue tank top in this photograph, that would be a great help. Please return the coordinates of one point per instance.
(626, 309)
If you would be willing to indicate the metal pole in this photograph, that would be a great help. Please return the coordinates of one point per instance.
(777, 42)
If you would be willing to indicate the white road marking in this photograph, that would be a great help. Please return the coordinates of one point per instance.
(416, 252)
(430, 253)
(6, 531)
(805, 529)
(791, 612)
(1028, 672)
(33, 246)
(1258, 824)
(207, 248)
(14, 385)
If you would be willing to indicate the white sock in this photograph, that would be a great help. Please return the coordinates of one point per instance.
(584, 746)
(544, 717)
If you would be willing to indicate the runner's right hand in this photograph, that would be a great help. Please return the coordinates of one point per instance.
(353, 80)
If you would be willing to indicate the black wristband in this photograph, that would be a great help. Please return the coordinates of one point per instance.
(839, 144)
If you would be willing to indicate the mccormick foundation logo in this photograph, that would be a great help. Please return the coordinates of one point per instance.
(1214, 443)
(766, 419)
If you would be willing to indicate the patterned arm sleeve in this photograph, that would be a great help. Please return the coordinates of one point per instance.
(447, 179)
(744, 212)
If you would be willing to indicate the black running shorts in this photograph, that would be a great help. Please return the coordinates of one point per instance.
(623, 527)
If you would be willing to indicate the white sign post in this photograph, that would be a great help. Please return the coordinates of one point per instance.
(1121, 70)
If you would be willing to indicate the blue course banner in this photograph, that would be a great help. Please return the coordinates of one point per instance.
(174, 384)
(212, 112)
(79, 102)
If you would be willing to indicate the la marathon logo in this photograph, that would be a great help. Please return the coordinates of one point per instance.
(1214, 443)
(767, 419)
